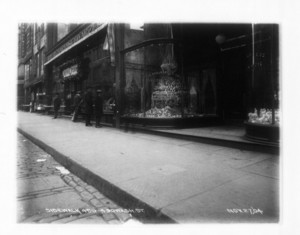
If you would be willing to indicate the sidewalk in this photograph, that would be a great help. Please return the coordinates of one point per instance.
(172, 180)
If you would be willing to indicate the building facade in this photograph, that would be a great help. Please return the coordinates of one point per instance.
(78, 59)
(32, 47)
(155, 74)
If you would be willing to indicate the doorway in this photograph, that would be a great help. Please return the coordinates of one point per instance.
(234, 84)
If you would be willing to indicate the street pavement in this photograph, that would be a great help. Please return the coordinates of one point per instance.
(48, 193)
(180, 180)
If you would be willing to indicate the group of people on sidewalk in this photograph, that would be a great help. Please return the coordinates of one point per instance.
(91, 104)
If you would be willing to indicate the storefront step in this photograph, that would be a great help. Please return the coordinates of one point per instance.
(198, 134)
(230, 140)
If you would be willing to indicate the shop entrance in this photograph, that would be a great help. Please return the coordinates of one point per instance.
(70, 89)
(221, 66)
(234, 87)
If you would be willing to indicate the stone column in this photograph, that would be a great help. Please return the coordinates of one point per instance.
(119, 70)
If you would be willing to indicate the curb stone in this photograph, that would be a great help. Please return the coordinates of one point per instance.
(67, 178)
(91, 189)
(95, 202)
(72, 184)
(98, 195)
(79, 188)
(86, 195)
(108, 216)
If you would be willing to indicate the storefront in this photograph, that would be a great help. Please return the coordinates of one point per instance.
(82, 59)
(155, 89)
(69, 81)
(173, 75)
(196, 74)
(34, 89)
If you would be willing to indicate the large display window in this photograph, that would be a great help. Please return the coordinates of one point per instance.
(156, 84)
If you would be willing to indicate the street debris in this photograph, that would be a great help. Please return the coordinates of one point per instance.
(62, 170)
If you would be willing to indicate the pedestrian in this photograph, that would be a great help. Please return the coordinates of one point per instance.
(31, 106)
(88, 101)
(113, 105)
(68, 102)
(98, 108)
(56, 104)
(77, 106)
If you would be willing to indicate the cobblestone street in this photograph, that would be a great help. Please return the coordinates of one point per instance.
(48, 193)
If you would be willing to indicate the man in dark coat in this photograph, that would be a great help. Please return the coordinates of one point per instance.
(77, 105)
(98, 107)
(56, 104)
(88, 100)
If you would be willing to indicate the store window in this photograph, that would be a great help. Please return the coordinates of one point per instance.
(42, 29)
(156, 84)
(266, 64)
(102, 76)
(29, 38)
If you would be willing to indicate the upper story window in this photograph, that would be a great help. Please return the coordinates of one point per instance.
(62, 30)
(43, 28)
(36, 33)
(29, 37)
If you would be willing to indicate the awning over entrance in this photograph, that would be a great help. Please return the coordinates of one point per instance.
(76, 40)
(33, 83)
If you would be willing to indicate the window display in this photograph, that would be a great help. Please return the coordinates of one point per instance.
(156, 85)
(264, 116)
(153, 88)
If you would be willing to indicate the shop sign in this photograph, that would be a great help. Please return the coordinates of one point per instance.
(71, 71)
(84, 34)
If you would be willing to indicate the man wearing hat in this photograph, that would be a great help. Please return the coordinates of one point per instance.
(98, 107)
(56, 104)
(77, 105)
(88, 102)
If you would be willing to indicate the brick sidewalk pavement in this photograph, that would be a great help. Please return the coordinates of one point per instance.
(36, 167)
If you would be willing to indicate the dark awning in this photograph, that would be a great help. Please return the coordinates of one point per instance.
(73, 42)
(33, 82)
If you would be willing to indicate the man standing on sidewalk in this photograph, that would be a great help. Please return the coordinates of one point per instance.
(98, 107)
(56, 104)
(88, 99)
(77, 106)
